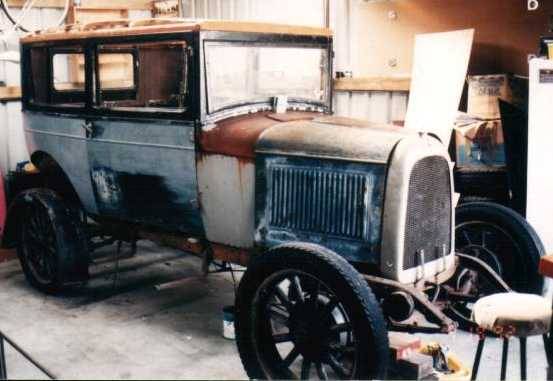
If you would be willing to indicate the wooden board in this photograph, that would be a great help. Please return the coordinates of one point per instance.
(166, 8)
(128, 4)
(372, 84)
(84, 15)
(439, 72)
(10, 93)
(211, 25)
(506, 32)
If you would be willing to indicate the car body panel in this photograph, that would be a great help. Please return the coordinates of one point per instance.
(47, 133)
(226, 174)
(337, 139)
(145, 172)
(302, 199)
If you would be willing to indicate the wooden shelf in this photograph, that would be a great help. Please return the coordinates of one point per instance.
(13, 93)
(10, 93)
(400, 84)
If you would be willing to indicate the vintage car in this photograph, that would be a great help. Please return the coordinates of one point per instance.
(218, 138)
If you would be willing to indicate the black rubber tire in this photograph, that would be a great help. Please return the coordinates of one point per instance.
(346, 283)
(520, 230)
(72, 256)
(488, 182)
(470, 199)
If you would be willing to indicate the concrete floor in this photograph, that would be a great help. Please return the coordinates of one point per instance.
(125, 328)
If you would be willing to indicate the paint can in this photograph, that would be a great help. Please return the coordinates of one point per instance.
(228, 322)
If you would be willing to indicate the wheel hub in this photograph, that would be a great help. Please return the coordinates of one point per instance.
(310, 331)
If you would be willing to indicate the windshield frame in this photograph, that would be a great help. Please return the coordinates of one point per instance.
(267, 40)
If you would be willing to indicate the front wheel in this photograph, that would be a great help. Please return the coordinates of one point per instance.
(304, 312)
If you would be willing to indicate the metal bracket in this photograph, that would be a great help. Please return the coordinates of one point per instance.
(476, 264)
(88, 127)
(431, 311)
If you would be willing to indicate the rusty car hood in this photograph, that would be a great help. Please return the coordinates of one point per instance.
(237, 136)
(301, 134)
(333, 138)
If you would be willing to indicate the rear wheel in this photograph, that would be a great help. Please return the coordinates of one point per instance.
(304, 312)
(52, 246)
(502, 239)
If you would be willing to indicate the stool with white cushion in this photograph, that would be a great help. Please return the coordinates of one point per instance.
(511, 315)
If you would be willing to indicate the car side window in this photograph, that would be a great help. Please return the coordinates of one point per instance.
(68, 72)
(142, 77)
(58, 76)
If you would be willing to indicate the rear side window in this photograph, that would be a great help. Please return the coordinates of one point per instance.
(57, 76)
(116, 71)
(68, 72)
(143, 77)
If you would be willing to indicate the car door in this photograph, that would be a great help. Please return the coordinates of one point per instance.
(141, 146)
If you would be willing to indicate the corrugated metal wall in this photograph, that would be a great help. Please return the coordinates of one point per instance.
(376, 106)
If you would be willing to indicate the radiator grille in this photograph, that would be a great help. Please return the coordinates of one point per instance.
(428, 221)
(319, 201)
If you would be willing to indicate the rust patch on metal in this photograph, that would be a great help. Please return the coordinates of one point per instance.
(7, 255)
(293, 116)
(230, 254)
(198, 247)
(237, 136)
(359, 123)
(191, 245)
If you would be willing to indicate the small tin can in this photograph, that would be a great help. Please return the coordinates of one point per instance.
(228, 323)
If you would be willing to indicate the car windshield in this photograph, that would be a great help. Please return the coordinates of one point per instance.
(239, 74)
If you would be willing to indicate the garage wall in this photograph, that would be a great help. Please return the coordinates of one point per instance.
(376, 106)
(505, 32)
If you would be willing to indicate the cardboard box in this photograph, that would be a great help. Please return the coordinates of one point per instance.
(485, 91)
(478, 141)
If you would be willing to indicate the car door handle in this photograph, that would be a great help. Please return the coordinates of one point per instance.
(88, 127)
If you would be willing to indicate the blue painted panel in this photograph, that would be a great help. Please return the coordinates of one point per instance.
(63, 138)
(146, 172)
(333, 203)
